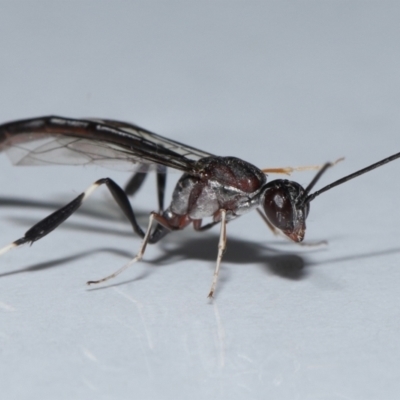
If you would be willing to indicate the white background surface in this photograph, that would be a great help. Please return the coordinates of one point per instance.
(275, 83)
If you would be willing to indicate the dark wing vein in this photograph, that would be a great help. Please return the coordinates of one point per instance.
(62, 141)
(177, 147)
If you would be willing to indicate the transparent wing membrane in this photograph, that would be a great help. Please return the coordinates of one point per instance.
(113, 144)
(72, 151)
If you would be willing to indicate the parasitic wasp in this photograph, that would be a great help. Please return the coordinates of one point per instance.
(220, 188)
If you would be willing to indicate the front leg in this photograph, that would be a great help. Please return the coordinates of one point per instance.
(221, 250)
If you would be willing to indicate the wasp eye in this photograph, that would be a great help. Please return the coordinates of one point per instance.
(279, 201)
(278, 208)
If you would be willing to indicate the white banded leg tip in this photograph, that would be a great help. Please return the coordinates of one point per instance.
(8, 247)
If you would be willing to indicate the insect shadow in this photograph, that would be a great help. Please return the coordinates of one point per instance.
(58, 262)
(289, 265)
(187, 247)
(286, 264)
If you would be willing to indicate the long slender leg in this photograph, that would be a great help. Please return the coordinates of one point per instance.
(162, 226)
(161, 184)
(138, 256)
(135, 183)
(221, 250)
(51, 222)
(289, 170)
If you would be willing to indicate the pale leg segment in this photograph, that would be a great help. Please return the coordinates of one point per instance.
(290, 170)
(221, 250)
(138, 256)
(8, 247)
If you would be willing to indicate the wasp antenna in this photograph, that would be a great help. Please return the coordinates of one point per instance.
(378, 164)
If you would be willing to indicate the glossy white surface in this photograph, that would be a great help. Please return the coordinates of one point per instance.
(276, 84)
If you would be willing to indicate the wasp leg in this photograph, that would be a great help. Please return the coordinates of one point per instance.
(221, 250)
(221, 244)
(290, 170)
(161, 183)
(55, 219)
(137, 180)
(148, 238)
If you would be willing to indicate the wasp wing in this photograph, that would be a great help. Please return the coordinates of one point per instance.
(67, 150)
(179, 148)
(61, 141)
